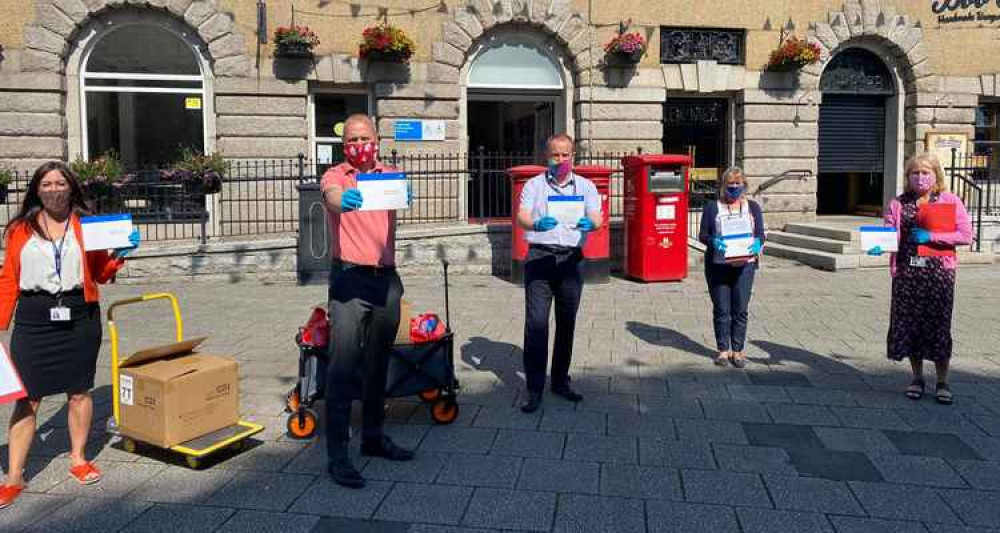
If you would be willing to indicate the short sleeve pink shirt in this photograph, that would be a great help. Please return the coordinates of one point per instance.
(360, 237)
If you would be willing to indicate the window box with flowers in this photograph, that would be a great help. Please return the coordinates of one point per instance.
(384, 42)
(295, 42)
(198, 174)
(100, 178)
(626, 48)
(793, 54)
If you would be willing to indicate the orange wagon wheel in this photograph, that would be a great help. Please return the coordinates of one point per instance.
(302, 427)
(445, 411)
(430, 395)
(292, 401)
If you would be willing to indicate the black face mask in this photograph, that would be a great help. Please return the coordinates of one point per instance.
(55, 202)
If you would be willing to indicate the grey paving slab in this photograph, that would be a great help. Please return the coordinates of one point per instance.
(481, 471)
(598, 514)
(265, 522)
(698, 390)
(759, 393)
(778, 378)
(913, 470)
(835, 465)
(430, 504)
(800, 414)
(941, 445)
(647, 482)
(939, 422)
(677, 454)
(735, 410)
(29, 506)
(678, 517)
(974, 507)
(506, 417)
(812, 495)
(173, 518)
(87, 515)
(559, 476)
(451, 439)
(610, 403)
(521, 443)
(610, 449)
(821, 396)
(181, 485)
(424, 468)
(355, 525)
(729, 488)
(118, 479)
(851, 524)
(895, 502)
(983, 475)
(855, 440)
(952, 528)
(590, 422)
(509, 509)
(261, 491)
(672, 407)
(989, 424)
(324, 497)
(633, 425)
(759, 459)
(707, 431)
(781, 435)
(767, 521)
(869, 418)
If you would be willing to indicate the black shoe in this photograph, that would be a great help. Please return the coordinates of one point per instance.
(567, 393)
(386, 449)
(344, 473)
(532, 402)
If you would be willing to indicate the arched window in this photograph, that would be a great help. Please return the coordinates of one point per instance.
(143, 94)
(514, 65)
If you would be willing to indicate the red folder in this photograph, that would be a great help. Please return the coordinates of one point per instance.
(936, 218)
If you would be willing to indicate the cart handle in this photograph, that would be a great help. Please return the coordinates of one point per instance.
(113, 331)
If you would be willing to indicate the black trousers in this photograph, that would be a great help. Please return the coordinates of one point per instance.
(364, 318)
(550, 276)
(730, 287)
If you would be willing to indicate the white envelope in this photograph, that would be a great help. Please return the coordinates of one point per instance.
(383, 191)
(568, 210)
(884, 237)
(11, 387)
(106, 232)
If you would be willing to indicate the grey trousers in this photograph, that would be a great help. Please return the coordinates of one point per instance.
(364, 318)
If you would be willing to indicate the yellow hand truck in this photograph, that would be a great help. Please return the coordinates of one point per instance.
(230, 437)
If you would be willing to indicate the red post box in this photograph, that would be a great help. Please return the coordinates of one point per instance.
(656, 212)
(596, 248)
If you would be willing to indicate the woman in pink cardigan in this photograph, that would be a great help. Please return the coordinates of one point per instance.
(923, 288)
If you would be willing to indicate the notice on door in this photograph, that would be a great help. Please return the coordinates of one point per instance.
(192, 103)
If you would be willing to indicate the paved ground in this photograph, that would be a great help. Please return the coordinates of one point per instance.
(814, 435)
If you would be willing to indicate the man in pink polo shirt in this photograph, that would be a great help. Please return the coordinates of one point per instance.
(364, 305)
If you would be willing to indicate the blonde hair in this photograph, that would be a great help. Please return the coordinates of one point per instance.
(729, 173)
(928, 161)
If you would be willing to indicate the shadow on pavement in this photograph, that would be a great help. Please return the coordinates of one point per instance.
(669, 338)
(500, 358)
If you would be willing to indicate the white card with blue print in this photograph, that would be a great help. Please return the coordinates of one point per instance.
(568, 210)
(385, 191)
(885, 237)
(106, 232)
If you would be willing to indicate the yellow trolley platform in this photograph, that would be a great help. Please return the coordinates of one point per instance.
(230, 437)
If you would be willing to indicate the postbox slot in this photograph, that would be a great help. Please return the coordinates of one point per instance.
(663, 180)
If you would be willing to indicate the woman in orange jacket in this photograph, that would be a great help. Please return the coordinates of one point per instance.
(51, 282)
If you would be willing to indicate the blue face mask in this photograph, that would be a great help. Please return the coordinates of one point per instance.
(559, 170)
(734, 191)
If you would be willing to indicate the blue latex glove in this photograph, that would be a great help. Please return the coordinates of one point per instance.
(585, 225)
(876, 251)
(719, 245)
(920, 236)
(545, 224)
(134, 239)
(350, 200)
(409, 193)
(756, 247)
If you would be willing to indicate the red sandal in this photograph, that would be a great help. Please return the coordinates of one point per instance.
(86, 474)
(9, 493)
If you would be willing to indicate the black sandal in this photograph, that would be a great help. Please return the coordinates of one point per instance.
(943, 394)
(915, 390)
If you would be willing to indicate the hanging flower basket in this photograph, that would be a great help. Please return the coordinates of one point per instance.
(387, 43)
(295, 42)
(793, 54)
(625, 49)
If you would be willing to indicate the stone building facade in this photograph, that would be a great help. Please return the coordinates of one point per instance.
(940, 74)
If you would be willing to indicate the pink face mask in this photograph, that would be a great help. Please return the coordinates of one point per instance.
(922, 183)
(559, 170)
(360, 154)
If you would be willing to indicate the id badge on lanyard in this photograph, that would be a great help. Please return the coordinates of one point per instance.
(60, 313)
(918, 262)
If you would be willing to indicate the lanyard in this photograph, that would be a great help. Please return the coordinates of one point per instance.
(557, 188)
(740, 212)
(58, 251)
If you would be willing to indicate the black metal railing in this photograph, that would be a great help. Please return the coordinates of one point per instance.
(968, 178)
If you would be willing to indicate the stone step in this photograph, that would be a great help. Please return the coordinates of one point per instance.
(824, 232)
(814, 258)
(821, 244)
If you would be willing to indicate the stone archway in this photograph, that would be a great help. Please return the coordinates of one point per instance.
(58, 24)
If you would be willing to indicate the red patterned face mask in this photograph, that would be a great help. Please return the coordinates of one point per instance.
(360, 154)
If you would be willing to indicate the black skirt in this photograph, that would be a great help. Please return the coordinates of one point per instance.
(55, 357)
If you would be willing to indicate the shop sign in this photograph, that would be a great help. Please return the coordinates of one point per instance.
(419, 130)
(952, 11)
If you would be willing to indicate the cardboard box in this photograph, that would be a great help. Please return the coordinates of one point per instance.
(171, 394)
(405, 314)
